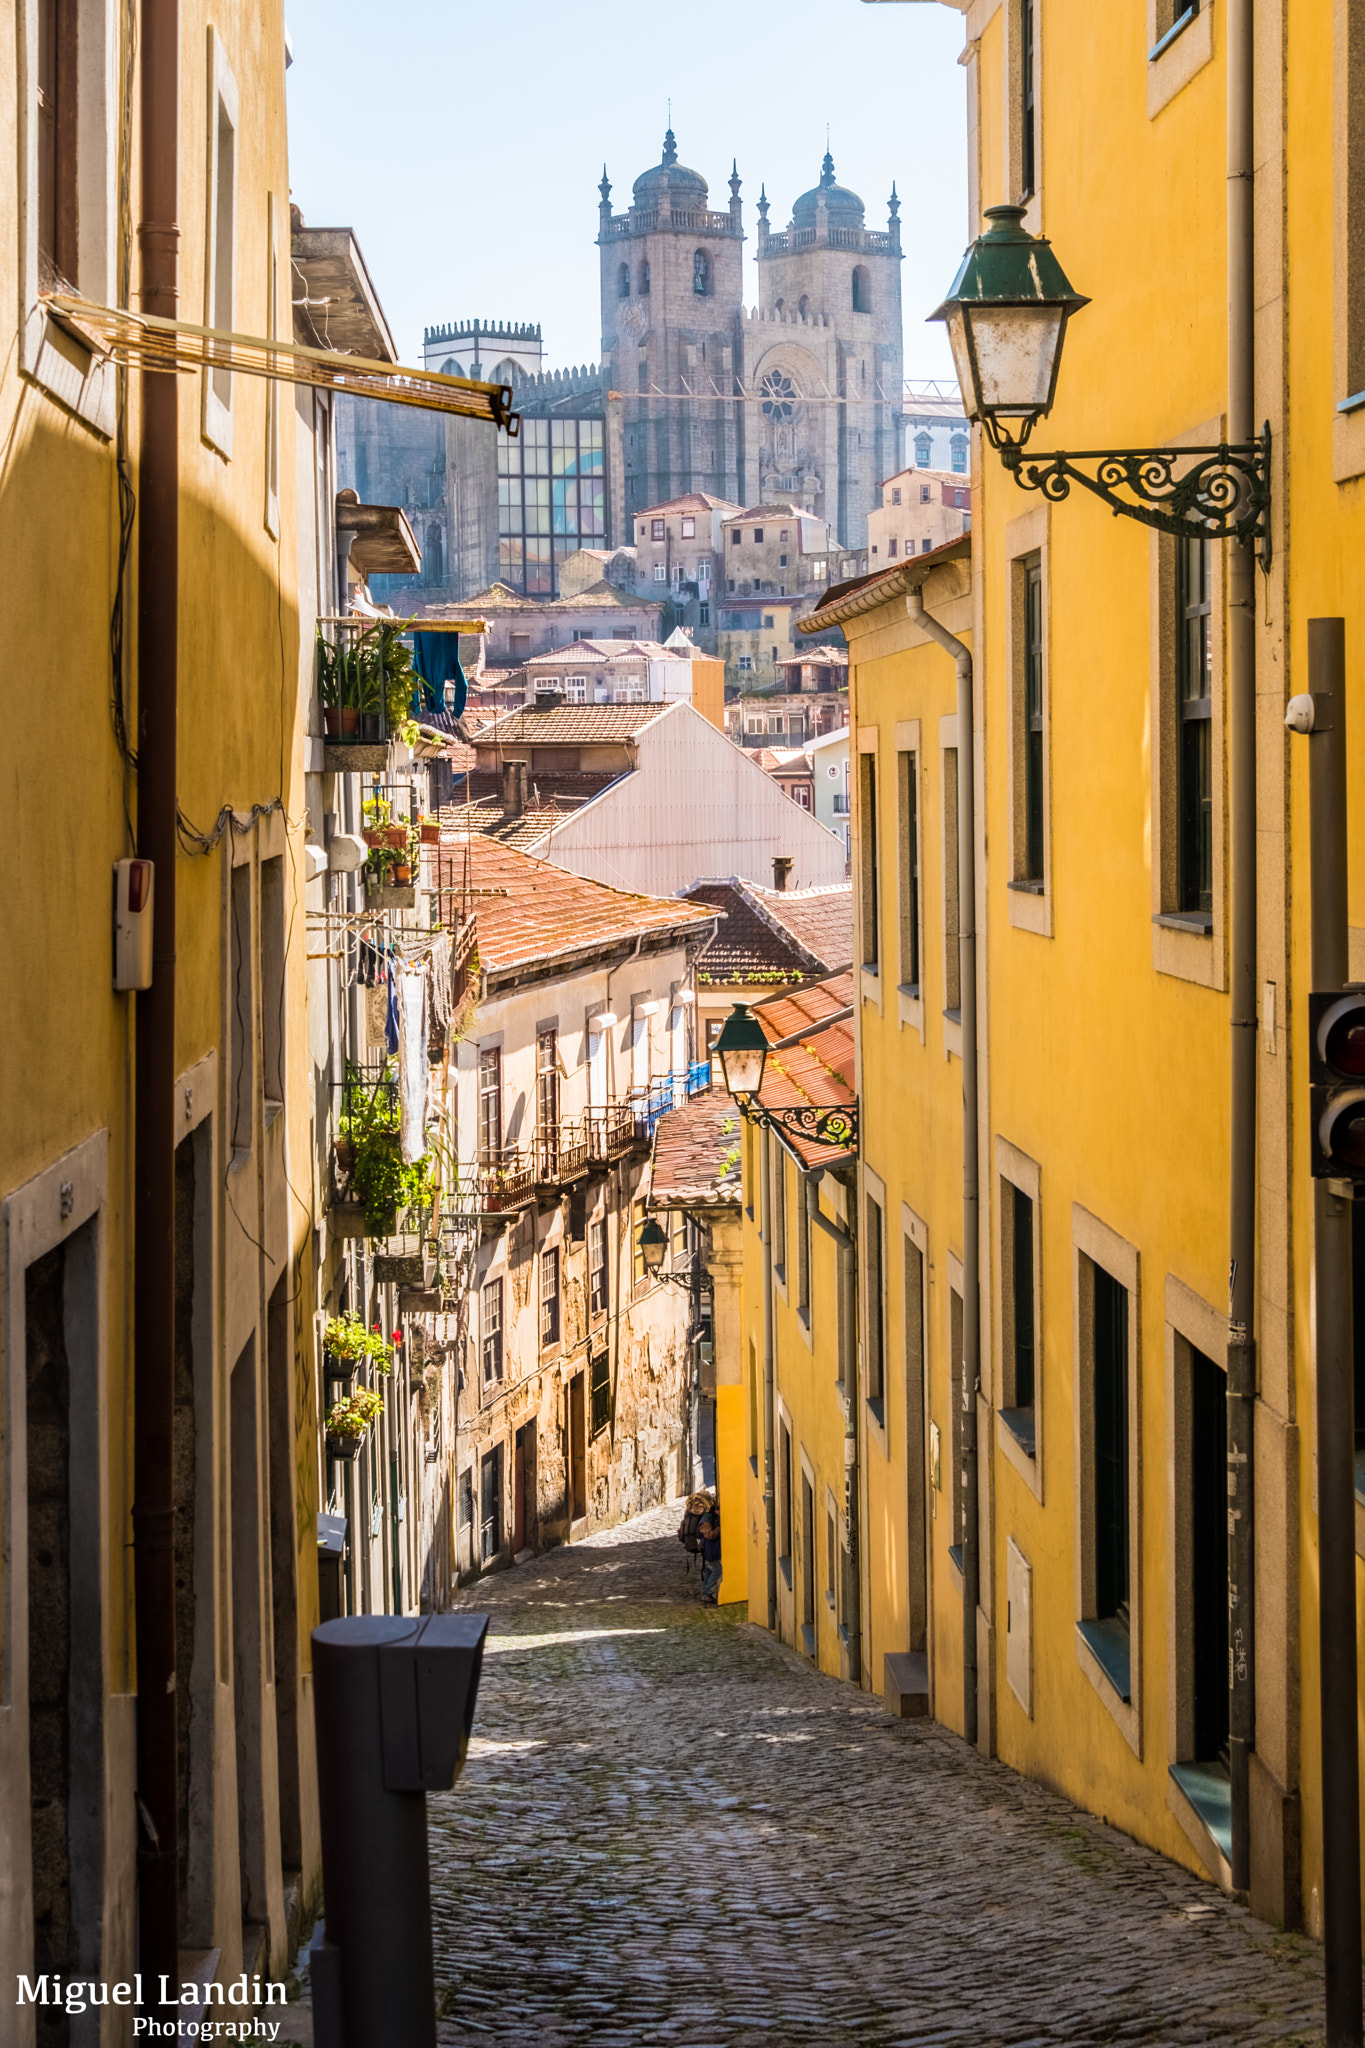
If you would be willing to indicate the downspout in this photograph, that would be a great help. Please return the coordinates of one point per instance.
(154, 1125)
(971, 1199)
(848, 1353)
(769, 1387)
(1241, 1390)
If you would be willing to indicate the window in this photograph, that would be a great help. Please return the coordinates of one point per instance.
(735, 537)
(909, 851)
(490, 1106)
(57, 187)
(656, 529)
(689, 529)
(242, 1101)
(1028, 127)
(768, 624)
(782, 561)
(644, 278)
(1109, 1448)
(923, 452)
(547, 1096)
(862, 289)
(272, 952)
(1194, 741)
(807, 1564)
(778, 1220)
(575, 689)
(802, 1252)
(784, 1501)
(701, 273)
(704, 615)
(638, 1269)
(867, 804)
(660, 572)
(600, 1392)
(1173, 17)
(492, 1331)
(926, 496)
(746, 664)
(819, 569)
(220, 265)
(1019, 1332)
(959, 452)
(549, 1295)
(952, 963)
(490, 1504)
(758, 535)
(896, 496)
(874, 1268)
(925, 545)
(890, 549)
(597, 1268)
(623, 282)
(1032, 870)
(551, 500)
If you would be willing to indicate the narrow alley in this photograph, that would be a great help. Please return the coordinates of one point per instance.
(669, 1830)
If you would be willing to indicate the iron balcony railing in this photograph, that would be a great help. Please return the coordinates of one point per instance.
(610, 1131)
(508, 1180)
(563, 1153)
(698, 1077)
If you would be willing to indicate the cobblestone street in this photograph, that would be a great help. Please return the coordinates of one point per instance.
(670, 1832)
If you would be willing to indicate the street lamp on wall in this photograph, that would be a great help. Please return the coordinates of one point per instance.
(743, 1051)
(1007, 315)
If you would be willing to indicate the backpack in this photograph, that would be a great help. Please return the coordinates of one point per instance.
(689, 1530)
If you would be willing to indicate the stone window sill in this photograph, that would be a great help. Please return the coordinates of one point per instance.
(1198, 921)
(1108, 1643)
(1020, 1424)
(1208, 1791)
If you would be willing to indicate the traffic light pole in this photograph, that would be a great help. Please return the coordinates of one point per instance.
(1335, 1364)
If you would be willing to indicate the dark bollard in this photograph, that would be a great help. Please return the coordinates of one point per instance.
(394, 1705)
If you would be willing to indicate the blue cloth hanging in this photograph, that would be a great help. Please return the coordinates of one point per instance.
(436, 658)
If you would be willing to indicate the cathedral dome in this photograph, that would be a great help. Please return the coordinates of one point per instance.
(846, 209)
(680, 179)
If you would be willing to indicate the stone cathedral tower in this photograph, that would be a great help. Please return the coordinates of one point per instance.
(828, 328)
(672, 302)
(799, 400)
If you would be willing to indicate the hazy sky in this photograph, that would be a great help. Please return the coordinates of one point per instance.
(464, 144)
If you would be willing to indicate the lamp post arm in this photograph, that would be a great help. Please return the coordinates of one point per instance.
(1224, 495)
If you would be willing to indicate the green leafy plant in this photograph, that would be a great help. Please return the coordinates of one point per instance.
(399, 675)
(384, 1182)
(329, 671)
(347, 1337)
(352, 1415)
(377, 811)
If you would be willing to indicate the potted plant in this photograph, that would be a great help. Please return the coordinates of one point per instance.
(370, 681)
(402, 870)
(329, 686)
(376, 811)
(348, 1422)
(429, 830)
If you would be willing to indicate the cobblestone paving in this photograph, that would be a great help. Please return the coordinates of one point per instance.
(670, 1832)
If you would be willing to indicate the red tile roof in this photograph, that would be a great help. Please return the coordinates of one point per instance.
(773, 935)
(571, 725)
(697, 1155)
(529, 910)
(694, 501)
(479, 806)
(819, 1070)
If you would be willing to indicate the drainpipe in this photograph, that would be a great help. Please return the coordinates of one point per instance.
(769, 1388)
(1241, 1389)
(848, 1353)
(971, 1199)
(154, 1128)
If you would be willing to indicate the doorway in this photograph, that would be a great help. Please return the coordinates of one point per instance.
(284, 1569)
(248, 1635)
(578, 1450)
(524, 1516)
(490, 1505)
(1209, 1532)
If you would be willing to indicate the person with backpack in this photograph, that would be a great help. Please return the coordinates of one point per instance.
(710, 1556)
(699, 1506)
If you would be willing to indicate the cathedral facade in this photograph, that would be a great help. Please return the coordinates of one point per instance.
(798, 399)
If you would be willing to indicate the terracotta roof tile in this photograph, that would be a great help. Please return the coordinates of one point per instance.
(571, 725)
(773, 935)
(546, 913)
(817, 1072)
(697, 1155)
(694, 501)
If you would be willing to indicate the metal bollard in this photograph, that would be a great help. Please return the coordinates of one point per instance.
(393, 1705)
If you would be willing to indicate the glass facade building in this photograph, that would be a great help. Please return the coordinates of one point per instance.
(551, 500)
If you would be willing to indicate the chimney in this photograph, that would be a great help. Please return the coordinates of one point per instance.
(782, 871)
(513, 788)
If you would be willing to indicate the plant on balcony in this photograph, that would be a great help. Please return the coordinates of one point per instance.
(399, 676)
(383, 1181)
(338, 690)
(347, 1340)
(429, 831)
(348, 1420)
(381, 828)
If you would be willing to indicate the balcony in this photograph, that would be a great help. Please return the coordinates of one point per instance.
(841, 805)
(653, 1104)
(698, 1078)
(507, 1182)
(359, 668)
(563, 1154)
(611, 1132)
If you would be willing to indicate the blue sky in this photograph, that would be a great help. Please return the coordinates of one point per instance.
(464, 144)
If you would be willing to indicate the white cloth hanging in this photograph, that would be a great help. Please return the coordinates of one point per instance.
(412, 1061)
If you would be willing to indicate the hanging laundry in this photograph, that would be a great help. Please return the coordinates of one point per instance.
(440, 979)
(410, 984)
(371, 970)
(436, 658)
(391, 1031)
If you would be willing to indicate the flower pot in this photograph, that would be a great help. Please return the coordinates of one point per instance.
(373, 836)
(350, 722)
(370, 722)
(335, 1368)
(331, 720)
(396, 836)
(402, 873)
(431, 833)
(344, 1446)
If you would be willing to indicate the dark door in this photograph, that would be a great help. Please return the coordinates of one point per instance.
(1209, 1525)
(490, 1504)
(519, 1492)
(578, 1451)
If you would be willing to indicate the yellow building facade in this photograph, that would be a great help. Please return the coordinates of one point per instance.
(1104, 805)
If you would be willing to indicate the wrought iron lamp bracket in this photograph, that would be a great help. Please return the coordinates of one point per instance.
(1224, 496)
(830, 1126)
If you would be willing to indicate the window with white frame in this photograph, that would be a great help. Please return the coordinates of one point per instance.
(549, 1295)
(221, 262)
(491, 1304)
(575, 689)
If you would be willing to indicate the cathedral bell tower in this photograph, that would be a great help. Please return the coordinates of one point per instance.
(672, 297)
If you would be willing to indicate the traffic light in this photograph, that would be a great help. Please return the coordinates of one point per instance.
(1336, 1023)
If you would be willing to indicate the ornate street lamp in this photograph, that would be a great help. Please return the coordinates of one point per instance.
(743, 1050)
(1007, 315)
(653, 1243)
